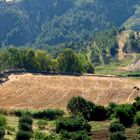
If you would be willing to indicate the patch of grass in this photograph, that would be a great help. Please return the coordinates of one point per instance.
(119, 68)
(96, 126)
(48, 128)
(13, 123)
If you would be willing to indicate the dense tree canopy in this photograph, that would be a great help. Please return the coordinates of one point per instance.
(59, 21)
(30, 59)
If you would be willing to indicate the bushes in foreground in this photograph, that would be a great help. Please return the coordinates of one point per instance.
(117, 131)
(72, 125)
(25, 128)
(23, 135)
(117, 136)
(26, 119)
(3, 123)
(78, 135)
(90, 111)
(125, 113)
(2, 132)
(73, 128)
(116, 126)
(137, 118)
(50, 114)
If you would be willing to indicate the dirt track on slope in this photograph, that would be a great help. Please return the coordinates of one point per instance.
(122, 39)
(40, 91)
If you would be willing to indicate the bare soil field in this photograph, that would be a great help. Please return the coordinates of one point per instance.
(40, 91)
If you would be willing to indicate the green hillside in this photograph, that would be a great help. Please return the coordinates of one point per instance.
(134, 21)
(60, 21)
(86, 26)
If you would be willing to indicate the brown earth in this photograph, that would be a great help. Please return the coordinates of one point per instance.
(135, 66)
(40, 91)
(122, 39)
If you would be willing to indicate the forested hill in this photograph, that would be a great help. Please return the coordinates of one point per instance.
(58, 21)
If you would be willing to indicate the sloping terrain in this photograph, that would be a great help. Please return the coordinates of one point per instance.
(40, 91)
(60, 21)
(134, 20)
(136, 66)
(122, 39)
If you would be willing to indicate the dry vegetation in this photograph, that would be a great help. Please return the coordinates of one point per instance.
(40, 91)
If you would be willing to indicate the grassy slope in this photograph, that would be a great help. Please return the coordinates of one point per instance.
(120, 68)
(123, 66)
(134, 21)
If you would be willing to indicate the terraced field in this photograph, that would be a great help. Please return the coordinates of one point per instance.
(40, 91)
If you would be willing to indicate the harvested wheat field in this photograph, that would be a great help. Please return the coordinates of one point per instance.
(40, 91)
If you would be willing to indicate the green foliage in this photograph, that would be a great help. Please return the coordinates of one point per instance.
(53, 22)
(37, 60)
(136, 104)
(117, 131)
(90, 111)
(50, 114)
(2, 132)
(105, 47)
(72, 125)
(41, 124)
(133, 44)
(25, 127)
(116, 126)
(117, 136)
(100, 113)
(73, 128)
(38, 135)
(69, 62)
(23, 135)
(26, 119)
(111, 110)
(3, 121)
(79, 106)
(79, 135)
(20, 113)
(137, 118)
(125, 114)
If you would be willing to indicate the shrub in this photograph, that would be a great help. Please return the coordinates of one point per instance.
(10, 129)
(26, 119)
(79, 135)
(50, 114)
(2, 132)
(20, 113)
(117, 136)
(125, 114)
(79, 106)
(72, 125)
(137, 103)
(111, 110)
(3, 121)
(100, 113)
(23, 135)
(137, 118)
(117, 131)
(116, 126)
(25, 127)
(39, 136)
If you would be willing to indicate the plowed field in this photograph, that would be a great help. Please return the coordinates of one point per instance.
(40, 91)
